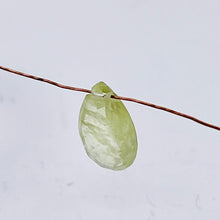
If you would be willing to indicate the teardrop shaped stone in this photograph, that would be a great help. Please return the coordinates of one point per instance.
(107, 130)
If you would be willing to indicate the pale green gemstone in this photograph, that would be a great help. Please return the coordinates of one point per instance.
(107, 130)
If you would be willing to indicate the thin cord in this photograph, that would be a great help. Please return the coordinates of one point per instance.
(115, 97)
(169, 110)
(44, 80)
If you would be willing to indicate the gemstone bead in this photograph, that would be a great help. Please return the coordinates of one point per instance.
(107, 130)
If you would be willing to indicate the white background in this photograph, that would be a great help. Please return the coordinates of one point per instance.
(165, 52)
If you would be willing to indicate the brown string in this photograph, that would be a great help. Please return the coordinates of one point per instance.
(115, 97)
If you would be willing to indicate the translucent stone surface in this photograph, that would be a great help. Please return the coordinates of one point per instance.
(107, 130)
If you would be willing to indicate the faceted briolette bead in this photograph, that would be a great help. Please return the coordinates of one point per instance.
(107, 130)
